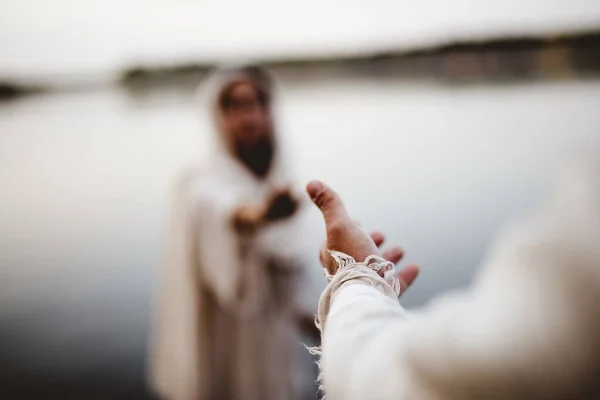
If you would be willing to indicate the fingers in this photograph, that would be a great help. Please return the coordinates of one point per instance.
(378, 238)
(407, 276)
(394, 254)
(328, 202)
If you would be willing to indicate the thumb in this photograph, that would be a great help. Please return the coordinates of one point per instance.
(327, 200)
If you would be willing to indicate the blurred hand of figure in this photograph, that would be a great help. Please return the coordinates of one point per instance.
(282, 204)
(248, 217)
(346, 236)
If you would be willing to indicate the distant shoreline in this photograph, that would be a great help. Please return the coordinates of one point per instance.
(12, 91)
(492, 60)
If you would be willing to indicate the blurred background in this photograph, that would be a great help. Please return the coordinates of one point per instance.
(439, 121)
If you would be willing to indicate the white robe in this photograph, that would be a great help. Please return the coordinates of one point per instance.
(226, 326)
(529, 328)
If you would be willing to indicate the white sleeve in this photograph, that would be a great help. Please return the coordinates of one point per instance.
(527, 329)
(215, 242)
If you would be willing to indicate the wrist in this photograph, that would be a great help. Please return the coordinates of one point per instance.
(383, 268)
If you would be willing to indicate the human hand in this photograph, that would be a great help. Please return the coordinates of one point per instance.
(282, 204)
(346, 236)
(248, 217)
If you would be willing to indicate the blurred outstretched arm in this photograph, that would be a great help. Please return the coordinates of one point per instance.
(526, 329)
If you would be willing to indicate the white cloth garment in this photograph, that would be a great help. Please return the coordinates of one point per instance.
(226, 325)
(528, 328)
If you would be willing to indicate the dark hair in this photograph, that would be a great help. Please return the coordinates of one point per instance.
(258, 76)
(261, 93)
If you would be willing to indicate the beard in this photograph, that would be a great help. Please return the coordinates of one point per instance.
(258, 157)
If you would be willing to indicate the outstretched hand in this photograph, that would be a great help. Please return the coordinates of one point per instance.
(282, 204)
(346, 236)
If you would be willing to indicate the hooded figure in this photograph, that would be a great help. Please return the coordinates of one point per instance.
(238, 281)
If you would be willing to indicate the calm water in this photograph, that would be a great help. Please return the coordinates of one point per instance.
(85, 180)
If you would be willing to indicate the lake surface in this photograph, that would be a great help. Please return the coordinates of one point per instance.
(85, 181)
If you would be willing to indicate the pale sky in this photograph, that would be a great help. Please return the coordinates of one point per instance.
(47, 37)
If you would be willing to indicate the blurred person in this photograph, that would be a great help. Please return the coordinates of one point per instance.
(239, 282)
(527, 329)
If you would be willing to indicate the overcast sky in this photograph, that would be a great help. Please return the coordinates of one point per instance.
(41, 37)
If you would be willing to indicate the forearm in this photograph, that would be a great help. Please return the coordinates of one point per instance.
(356, 309)
(528, 326)
(359, 320)
(470, 345)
